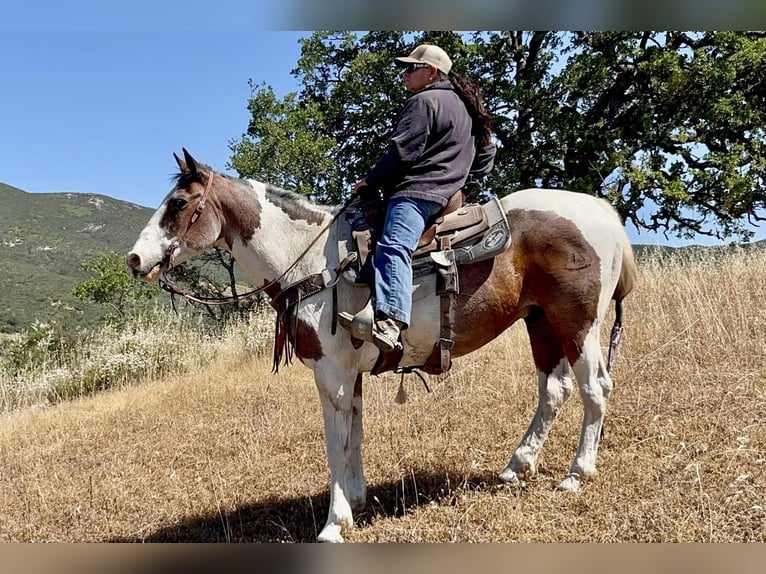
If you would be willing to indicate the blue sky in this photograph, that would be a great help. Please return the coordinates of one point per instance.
(96, 96)
(103, 112)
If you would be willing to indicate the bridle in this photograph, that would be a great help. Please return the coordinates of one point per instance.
(167, 259)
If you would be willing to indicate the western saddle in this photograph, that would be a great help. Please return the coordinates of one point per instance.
(462, 234)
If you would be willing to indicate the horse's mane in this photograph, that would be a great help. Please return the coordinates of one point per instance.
(280, 196)
(186, 177)
(294, 197)
(291, 201)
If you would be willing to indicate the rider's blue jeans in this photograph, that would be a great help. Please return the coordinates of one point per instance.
(405, 222)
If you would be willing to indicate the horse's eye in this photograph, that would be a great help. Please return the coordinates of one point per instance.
(177, 204)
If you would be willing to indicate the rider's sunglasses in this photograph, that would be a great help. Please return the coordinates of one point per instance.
(409, 68)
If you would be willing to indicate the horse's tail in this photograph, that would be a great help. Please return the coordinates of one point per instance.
(625, 284)
(628, 271)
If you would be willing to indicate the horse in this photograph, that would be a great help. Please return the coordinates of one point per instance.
(568, 259)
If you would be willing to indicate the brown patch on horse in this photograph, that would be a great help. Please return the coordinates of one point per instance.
(243, 216)
(550, 269)
(547, 351)
(481, 311)
(179, 208)
(271, 288)
(172, 215)
(176, 215)
(294, 205)
(305, 341)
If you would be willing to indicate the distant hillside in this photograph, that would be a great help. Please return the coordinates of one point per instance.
(667, 252)
(44, 240)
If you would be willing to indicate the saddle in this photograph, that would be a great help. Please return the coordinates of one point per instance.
(462, 234)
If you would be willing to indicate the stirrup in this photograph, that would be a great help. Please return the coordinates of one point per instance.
(384, 341)
(360, 325)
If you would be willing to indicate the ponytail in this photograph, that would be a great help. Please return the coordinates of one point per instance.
(471, 96)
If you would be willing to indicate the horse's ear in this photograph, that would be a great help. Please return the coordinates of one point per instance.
(190, 162)
(181, 163)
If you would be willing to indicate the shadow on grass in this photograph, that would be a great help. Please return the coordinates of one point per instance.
(301, 519)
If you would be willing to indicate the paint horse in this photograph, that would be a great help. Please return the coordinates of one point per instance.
(568, 259)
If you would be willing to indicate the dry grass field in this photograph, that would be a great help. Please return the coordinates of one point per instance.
(230, 452)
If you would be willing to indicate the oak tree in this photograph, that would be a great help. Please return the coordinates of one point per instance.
(667, 125)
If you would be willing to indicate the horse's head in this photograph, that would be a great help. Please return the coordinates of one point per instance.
(181, 227)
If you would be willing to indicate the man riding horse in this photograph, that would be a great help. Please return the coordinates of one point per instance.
(442, 137)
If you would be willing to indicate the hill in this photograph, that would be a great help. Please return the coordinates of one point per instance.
(44, 240)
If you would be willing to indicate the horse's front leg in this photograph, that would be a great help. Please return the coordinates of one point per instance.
(340, 393)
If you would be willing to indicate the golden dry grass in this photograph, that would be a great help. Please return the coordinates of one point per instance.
(231, 452)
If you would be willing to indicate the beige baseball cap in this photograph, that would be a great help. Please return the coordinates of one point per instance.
(430, 54)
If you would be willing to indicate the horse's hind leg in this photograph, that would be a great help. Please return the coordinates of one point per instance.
(595, 387)
(554, 388)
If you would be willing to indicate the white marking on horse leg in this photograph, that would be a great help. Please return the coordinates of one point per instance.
(337, 426)
(336, 394)
(595, 387)
(553, 391)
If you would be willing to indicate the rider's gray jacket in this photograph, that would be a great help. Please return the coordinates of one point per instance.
(432, 151)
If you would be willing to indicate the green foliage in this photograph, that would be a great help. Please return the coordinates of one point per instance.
(687, 116)
(212, 276)
(327, 136)
(113, 287)
(44, 239)
(281, 145)
(667, 125)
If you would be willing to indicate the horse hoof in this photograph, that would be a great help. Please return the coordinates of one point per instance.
(509, 476)
(570, 484)
(330, 533)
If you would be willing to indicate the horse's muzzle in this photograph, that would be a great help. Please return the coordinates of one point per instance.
(134, 264)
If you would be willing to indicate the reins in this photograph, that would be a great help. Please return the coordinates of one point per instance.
(167, 260)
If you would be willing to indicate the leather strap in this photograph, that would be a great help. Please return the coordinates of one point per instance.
(282, 302)
(447, 287)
